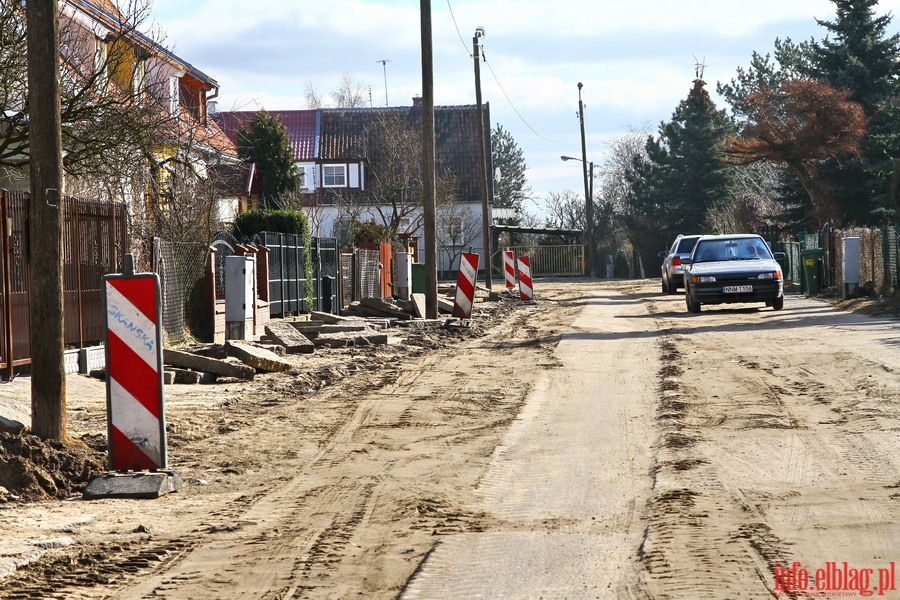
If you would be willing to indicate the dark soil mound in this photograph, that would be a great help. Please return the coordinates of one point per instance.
(33, 469)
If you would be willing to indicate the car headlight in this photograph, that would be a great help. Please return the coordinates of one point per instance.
(775, 275)
(703, 279)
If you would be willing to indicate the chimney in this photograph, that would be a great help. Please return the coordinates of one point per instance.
(212, 108)
(417, 101)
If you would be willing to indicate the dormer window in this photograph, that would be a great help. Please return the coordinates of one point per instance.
(334, 175)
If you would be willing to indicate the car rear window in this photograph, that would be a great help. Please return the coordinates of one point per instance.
(686, 245)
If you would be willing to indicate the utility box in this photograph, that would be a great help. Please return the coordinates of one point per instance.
(404, 275)
(240, 296)
(850, 246)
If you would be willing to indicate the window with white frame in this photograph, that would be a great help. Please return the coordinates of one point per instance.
(334, 175)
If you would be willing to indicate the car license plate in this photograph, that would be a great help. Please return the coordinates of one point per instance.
(737, 289)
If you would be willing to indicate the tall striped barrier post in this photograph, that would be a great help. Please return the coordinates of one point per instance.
(465, 286)
(526, 290)
(136, 426)
(509, 268)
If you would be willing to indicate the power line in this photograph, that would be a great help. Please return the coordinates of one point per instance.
(513, 106)
(457, 29)
(505, 95)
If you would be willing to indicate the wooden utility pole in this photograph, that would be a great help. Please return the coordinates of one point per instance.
(428, 170)
(588, 195)
(48, 377)
(482, 164)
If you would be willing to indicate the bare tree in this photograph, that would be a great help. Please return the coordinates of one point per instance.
(565, 210)
(754, 189)
(394, 150)
(457, 228)
(110, 102)
(612, 204)
(349, 93)
(313, 97)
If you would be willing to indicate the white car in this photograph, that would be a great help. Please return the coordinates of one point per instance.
(672, 272)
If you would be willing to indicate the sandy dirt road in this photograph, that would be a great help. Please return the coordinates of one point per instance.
(602, 444)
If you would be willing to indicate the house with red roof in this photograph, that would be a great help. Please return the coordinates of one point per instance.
(350, 175)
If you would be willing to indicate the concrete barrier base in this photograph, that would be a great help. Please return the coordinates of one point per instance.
(137, 484)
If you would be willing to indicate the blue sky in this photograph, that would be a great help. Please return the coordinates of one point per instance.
(636, 58)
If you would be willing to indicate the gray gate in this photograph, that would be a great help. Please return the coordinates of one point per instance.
(287, 273)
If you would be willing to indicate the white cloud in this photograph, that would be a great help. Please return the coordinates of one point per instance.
(635, 58)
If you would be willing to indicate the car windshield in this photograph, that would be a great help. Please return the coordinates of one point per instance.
(731, 249)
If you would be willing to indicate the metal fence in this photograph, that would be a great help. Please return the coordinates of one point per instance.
(325, 252)
(288, 259)
(360, 275)
(94, 239)
(553, 260)
(181, 267)
(791, 265)
(891, 252)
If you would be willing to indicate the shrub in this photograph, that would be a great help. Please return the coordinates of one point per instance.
(370, 232)
(252, 222)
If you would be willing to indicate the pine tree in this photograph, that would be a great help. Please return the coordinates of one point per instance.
(511, 187)
(858, 55)
(683, 176)
(264, 142)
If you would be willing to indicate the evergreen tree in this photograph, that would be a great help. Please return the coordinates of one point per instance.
(264, 142)
(511, 187)
(858, 55)
(682, 176)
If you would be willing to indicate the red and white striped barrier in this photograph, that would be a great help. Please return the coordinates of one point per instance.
(134, 381)
(465, 286)
(526, 291)
(509, 268)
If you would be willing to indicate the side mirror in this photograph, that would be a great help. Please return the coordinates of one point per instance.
(779, 255)
(662, 255)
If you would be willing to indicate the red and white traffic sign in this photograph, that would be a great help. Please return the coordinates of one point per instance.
(465, 286)
(526, 291)
(509, 268)
(134, 380)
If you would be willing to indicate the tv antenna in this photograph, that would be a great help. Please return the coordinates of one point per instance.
(699, 67)
(384, 62)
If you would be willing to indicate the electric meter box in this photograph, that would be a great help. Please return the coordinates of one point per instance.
(404, 274)
(240, 275)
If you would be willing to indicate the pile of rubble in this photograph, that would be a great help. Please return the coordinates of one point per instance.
(362, 324)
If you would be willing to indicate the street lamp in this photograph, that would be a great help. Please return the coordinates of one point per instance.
(588, 212)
